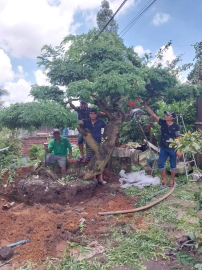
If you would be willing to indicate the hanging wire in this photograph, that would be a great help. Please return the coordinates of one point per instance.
(111, 18)
(136, 18)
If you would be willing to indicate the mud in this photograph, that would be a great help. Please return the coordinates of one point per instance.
(50, 226)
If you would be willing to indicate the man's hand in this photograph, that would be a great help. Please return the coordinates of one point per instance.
(45, 146)
(70, 160)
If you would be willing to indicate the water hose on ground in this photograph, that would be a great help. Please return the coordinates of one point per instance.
(139, 208)
(155, 194)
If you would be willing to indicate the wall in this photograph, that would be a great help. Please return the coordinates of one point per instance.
(27, 142)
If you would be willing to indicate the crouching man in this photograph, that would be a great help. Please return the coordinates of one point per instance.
(58, 149)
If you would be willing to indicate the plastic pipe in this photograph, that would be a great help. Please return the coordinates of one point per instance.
(140, 208)
(21, 242)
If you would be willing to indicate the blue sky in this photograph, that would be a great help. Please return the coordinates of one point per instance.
(26, 25)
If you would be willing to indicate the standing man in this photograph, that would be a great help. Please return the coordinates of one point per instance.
(83, 114)
(58, 147)
(169, 130)
(95, 125)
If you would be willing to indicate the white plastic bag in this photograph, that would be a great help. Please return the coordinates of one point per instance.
(138, 179)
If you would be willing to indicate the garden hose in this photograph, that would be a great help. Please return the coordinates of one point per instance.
(140, 208)
(155, 194)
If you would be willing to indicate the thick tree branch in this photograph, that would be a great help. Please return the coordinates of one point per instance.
(102, 104)
(89, 139)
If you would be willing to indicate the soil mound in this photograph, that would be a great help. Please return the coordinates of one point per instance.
(31, 191)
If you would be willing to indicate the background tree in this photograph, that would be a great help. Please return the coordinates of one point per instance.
(104, 15)
(195, 76)
(3, 92)
(51, 93)
(32, 115)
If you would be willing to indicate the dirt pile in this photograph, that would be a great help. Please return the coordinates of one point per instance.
(49, 226)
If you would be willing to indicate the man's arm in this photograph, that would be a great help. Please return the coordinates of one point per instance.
(73, 106)
(101, 114)
(70, 155)
(48, 148)
(70, 149)
(149, 110)
(80, 122)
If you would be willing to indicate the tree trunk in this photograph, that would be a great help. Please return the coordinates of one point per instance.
(101, 157)
(198, 122)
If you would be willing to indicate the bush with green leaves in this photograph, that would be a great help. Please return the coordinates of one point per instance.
(190, 143)
(10, 138)
(36, 152)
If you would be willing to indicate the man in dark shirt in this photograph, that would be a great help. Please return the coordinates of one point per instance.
(95, 125)
(83, 114)
(169, 130)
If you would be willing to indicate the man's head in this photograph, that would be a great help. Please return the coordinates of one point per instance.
(93, 114)
(169, 115)
(56, 133)
(83, 105)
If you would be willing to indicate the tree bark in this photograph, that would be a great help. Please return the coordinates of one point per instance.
(89, 139)
(101, 157)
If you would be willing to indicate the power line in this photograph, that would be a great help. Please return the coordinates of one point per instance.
(112, 18)
(135, 19)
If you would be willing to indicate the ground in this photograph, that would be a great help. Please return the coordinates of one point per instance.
(56, 231)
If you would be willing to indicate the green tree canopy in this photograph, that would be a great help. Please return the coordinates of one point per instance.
(32, 115)
(52, 93)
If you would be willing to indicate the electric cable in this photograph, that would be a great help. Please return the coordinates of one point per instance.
(111, 18)
(135, 19)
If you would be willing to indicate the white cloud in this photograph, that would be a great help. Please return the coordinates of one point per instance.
(27, 25)
(41, 78)
(140, 50)
(160, 18)
(6, 72)
(18, 91)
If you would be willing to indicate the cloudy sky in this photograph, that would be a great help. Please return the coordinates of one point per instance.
(27, 25)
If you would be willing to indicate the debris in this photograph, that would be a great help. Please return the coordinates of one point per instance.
(6, 253)
(138, 179)
(7, 206)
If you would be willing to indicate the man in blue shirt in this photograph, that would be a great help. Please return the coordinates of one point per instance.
(169, 130)
(95, 125)
(83, 114)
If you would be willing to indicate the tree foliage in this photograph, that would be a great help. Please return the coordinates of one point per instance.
(32, 115)
(103, 17)
(3, 92)
(51, 93)
(195, 76)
